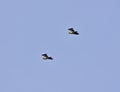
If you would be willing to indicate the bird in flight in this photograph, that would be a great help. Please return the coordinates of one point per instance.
(45, 57)
(72, 31)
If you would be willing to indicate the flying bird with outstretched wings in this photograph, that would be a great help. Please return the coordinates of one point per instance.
(72, 31)
(45, 57)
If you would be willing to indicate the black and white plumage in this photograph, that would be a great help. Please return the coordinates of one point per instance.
(45, 57)
(72, 31)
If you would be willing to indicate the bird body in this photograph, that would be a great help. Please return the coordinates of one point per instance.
(45, 57)
(72, 31)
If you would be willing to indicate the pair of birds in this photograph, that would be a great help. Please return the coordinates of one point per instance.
(71, 31)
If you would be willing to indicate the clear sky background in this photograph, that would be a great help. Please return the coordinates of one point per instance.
(89, 62)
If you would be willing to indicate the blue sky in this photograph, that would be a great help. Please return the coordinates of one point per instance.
(85, 63)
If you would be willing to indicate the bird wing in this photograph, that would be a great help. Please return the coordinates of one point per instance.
(76, 33)
(50, 58)
(45, 55)
(71, 29)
